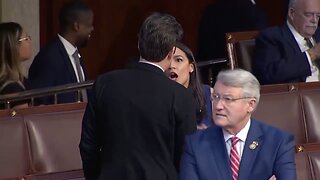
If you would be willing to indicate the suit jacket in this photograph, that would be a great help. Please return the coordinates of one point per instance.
(52, 67)
(206, 158)
(226, 16)
(207, 119)
(134, 125)
(278, 58)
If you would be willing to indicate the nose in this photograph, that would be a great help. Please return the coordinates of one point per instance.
(172, 65)
(315, 18)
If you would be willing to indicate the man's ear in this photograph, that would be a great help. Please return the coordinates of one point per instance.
(291, 12)
(252, 105)
(76, 26)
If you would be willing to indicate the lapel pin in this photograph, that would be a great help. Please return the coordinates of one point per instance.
(253, 145)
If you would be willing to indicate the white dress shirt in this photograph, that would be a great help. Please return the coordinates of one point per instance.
(242, 135)
(148, 62)
(304, 47)
(70, 50)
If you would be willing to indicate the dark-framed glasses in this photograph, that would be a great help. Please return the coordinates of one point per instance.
(226, 99)
(28, 38)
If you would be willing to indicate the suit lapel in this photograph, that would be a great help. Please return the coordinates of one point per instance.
(220, 155)
(288, 36)
(249, 154)
(66, 61)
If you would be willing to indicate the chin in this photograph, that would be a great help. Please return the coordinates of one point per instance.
(219, 122)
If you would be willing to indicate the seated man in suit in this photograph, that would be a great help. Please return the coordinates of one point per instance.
(290, 53)
(238, 147)
(59, 62)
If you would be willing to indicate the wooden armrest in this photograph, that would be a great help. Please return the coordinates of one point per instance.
(308, 147)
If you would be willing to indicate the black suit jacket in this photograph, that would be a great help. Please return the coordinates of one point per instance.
(278, 58)
(52, 67)
(226, 16)
(134, 125)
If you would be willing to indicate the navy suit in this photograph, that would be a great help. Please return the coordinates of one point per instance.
(52, 67)
(207, 119)
(206, 158)
(278, 58)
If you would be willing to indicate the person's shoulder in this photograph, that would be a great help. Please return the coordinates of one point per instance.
(270, 31)
(205, 134)
(11, 87)
(206, 88)
(272, 131)
(273, 35)
(51, 48)
(111, 74)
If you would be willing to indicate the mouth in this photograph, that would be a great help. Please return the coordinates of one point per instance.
(173, 76)
(220, 115)
(313, 27)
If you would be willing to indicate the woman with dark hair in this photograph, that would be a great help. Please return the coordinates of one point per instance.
(15, 47)
(184, 70)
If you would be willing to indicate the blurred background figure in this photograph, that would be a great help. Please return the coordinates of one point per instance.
(290, 52)
(183, 70)
(221, 17)
(15, 47)
(62, 54)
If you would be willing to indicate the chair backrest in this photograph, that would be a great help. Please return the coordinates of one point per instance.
(311, 102)
(240, 49)
(54, 139)
(14, 151)
(276, 109)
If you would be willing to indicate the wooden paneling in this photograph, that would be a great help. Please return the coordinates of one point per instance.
(117, 22)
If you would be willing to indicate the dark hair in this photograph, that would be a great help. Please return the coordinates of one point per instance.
(195, 82)
(71, 12)
(10, 33)
(157, 36)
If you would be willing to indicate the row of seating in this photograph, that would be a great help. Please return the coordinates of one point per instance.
(295, 109)
(43, 141)
(40, 140)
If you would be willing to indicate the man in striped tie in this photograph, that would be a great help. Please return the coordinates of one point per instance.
(238, 147)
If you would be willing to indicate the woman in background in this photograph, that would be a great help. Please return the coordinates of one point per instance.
(183, 69)
(15, 47)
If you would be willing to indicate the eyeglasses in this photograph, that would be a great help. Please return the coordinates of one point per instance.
(226, 99)
(28, 38)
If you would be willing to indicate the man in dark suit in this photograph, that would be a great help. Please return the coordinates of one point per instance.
(238, 147)
(56, 64)
(221, 17)
(283, 54)
(135, 123)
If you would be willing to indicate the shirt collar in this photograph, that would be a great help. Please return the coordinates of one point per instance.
(67, 45)
(242, 135)
(148, 62)
(297, 36)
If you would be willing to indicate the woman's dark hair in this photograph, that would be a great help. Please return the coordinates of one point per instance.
(195, 82)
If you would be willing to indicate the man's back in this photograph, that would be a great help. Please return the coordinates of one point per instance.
(142, 118)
